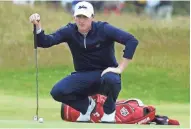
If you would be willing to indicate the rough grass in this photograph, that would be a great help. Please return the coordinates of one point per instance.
(161, 44)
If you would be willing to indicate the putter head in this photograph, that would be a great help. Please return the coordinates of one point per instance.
(35, 118)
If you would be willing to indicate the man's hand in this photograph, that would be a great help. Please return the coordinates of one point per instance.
(119, 69)
(112, 69)
(35, 19)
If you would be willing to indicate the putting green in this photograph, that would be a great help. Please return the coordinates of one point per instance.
(19, 111)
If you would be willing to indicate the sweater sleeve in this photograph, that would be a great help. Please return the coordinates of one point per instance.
(61, 35)
(122, 37)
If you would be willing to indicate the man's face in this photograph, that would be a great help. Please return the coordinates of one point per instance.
(83, 23)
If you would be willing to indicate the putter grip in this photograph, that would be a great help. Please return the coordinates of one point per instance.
(34, 32)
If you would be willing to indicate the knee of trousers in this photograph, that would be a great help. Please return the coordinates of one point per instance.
(58, 93)
(112, 81)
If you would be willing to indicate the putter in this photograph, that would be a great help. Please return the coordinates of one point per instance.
(36, 64)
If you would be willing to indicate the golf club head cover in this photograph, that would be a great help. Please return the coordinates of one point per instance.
(165, 120)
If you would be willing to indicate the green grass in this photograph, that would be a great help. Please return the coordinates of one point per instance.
(153, 85)
(23, 109)
(159, 73)
(61, 124)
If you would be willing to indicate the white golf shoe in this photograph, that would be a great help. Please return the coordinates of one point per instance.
(86, 117)
(108, 118)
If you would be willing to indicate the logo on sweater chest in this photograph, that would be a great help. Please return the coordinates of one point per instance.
(98, 45)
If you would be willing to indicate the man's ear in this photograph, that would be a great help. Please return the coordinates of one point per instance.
(74, 18)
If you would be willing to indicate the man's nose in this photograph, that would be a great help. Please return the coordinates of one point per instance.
(81, 19)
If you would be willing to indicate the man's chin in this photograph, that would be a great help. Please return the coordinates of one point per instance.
(82, 30)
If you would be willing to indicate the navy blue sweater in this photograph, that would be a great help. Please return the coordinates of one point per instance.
(95, 51)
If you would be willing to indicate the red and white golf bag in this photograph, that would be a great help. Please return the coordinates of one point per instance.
(130, 111)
